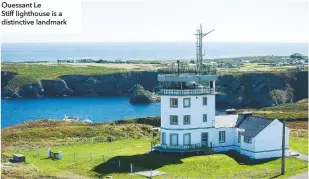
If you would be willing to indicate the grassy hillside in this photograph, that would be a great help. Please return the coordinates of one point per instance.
(42, 133)
(290, 111)
(32, 73)
(257, 68)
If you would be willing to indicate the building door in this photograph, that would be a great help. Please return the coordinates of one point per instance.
(204, 139)
(186, 139)
(174, 140)
(211, 84)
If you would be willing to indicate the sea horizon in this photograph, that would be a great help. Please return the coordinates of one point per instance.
(23, 52)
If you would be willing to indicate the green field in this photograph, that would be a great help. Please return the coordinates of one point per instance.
(96, 158)
(257, 68)
(89, 162)
(32, 73)
(299, 144)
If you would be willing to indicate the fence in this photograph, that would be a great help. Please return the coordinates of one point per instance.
(107, 164)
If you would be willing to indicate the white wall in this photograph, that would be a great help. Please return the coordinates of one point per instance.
(229, 139)
(271, 139)
(196, 111)
(247, 147)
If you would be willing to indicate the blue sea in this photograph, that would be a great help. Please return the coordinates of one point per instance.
(97, 109)
(16, 52)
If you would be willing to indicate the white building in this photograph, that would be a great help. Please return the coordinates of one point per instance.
(189, 122)
(251, 136)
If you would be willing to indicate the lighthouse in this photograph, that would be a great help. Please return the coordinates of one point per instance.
(189, 122)
(187, 104)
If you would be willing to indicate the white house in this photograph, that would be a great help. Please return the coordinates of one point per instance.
(251, 136)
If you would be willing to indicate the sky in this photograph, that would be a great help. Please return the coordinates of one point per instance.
(177, 20)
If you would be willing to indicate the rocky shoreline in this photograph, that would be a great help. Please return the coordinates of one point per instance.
(238, 91)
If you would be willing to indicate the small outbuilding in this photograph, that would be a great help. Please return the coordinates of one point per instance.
(18, 158)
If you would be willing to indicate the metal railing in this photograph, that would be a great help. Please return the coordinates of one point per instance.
(182, 148)
(184, 70)
(182, 92)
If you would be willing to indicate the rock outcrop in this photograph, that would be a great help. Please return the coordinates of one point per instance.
(55, 88)
(6, 76)
(31, 90)
(141, 96)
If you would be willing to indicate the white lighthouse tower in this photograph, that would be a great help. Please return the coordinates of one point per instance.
(187, 104)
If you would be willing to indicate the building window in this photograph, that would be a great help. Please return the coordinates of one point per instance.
(221, 136)
(174, 120)
(239, 137)
(205, 101)
(174, 139)
(186, 102)
(248, 140)
(187, 139)
(163, 138)
(186, 119)
(174, 103)
(204, 117)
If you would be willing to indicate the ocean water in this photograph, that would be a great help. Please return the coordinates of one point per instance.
(15, 52)
(98, 109)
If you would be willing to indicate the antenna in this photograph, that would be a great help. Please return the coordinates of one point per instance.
(199, 46)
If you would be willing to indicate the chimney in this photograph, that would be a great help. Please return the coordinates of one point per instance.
(242, 116)
(246, 114)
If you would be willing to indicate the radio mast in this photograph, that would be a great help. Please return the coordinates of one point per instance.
(199, 46)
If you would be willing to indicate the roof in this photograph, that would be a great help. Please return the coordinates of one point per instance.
(225, 121)
(253, 125)
(230, 110)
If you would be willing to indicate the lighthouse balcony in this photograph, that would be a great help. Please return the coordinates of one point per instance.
(184, 92)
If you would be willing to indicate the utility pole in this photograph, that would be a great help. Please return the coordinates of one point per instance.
(283, 149)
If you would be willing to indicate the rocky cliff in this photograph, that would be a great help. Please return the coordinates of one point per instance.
(246, 90)
(252, 90)
(81, 85)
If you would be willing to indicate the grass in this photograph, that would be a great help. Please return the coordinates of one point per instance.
(257, 68)
(40, 133)
(131, 144)
(32, 73)
(133, 151)
(299, 144)
(290, 111)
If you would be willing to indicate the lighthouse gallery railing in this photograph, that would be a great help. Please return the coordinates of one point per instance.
(196, 91)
